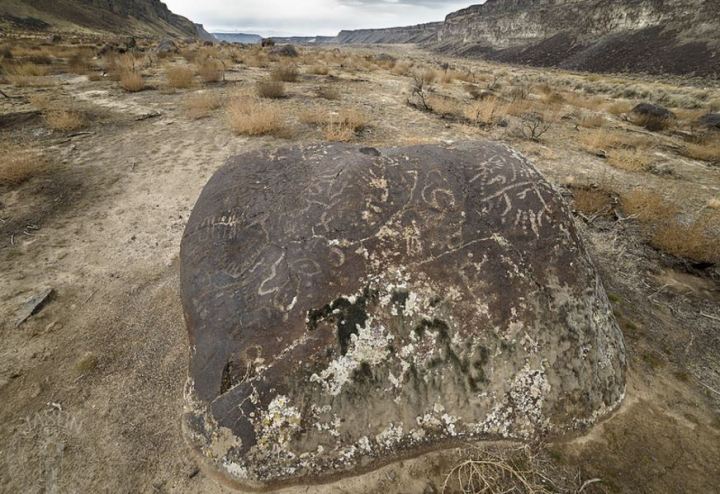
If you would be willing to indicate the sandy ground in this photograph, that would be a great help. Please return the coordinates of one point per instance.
(91, 388)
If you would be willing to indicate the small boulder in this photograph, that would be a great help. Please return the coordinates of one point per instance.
(54, 38)
(710, 121)
(267, 42)
(652, 117)
(284, 51)
(166, 46)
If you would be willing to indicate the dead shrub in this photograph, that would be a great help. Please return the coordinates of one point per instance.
(65, 120)
(211, 70)
(270, 89)
(285, 73)
(179, 77)
(253, 117)
(534, 125)
(490, 111)
(132, 82)
(201, 105)
(19, 163)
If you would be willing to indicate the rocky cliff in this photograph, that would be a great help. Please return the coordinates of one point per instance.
(654, 36)
(136, 17)
(410, 34)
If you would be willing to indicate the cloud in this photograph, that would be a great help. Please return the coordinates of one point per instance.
(310, 17)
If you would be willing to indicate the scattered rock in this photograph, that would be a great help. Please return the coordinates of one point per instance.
(652, 117)
(710, 121)
(284, 51)
(365, 305)
(54, 38)
(648, 109)
(34, 305)
(166, 46)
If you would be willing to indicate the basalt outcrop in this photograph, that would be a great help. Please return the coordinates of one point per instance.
(348, 306)
(128, 17)
(654, 36)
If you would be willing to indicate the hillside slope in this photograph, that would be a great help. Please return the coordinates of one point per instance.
(654, 36)
(410, 34)
(126, 17)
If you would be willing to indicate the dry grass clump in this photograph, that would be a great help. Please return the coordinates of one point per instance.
(132, 82)
(445, 106)
(201, 105)
(318, 69)
(490, 111)
(179, 77)
(27, 69)
(591, 121)
(65, 120)
(592, 201)
(697, 239)
(211, 70)
(337, 132)
(19, 163)
(270, 89)
(619, 107)
(552, 98)
(327, 92)
(631, 160)
(401, 68)
(253, 117)
(313, 116)
(647, 205)
(428, 76)
(578, 100)
(79, 63)
(707, 150)
(285, 73)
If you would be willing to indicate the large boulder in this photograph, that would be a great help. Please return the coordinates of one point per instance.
(347, 307)
(652, 117)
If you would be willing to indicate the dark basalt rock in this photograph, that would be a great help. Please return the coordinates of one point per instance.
(352, 306)
(284, 51)
(654, 111)
(710, 121)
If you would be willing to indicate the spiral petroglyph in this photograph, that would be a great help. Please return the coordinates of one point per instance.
(349, 306)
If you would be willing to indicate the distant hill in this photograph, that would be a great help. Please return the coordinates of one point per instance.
(125, 17)
(239, 37)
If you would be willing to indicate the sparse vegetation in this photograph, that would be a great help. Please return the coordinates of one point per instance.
(19, 163)
(253, 117)
(201, 105)
(271, 89)
(179, 77)
(285, 73)
(327, 92)
(705, 150)
(211, 70)
(132, 82)
(65, 120)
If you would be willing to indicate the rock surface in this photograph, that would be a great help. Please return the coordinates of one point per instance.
(655, 36)
(351, 306)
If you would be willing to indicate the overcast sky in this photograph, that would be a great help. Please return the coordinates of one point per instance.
(310, 17)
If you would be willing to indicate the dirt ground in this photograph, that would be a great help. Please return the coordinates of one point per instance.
(91, 387)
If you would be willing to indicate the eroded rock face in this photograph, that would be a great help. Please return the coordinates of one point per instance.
(349, 306)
